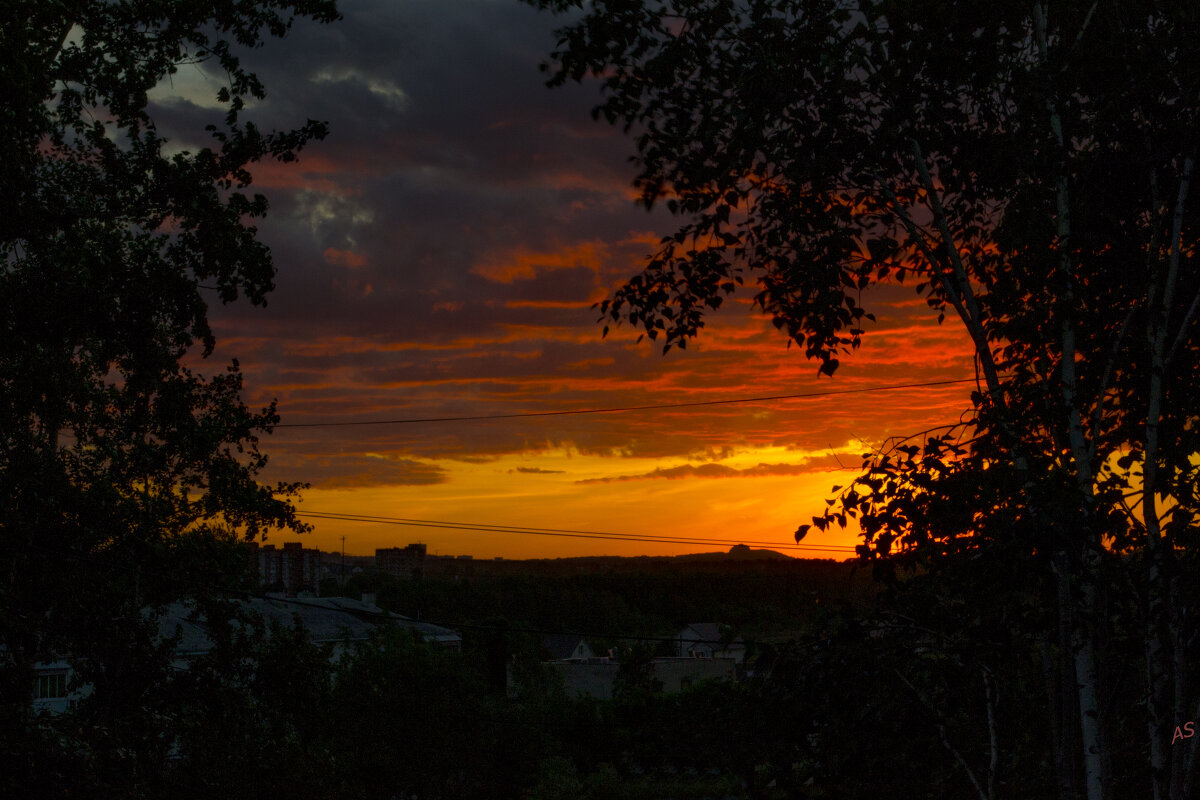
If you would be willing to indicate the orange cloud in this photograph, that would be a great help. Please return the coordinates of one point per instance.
(553, 304)
(344, 258)
(715, 471)
(524, 264)
(312, 170)
(356, 470)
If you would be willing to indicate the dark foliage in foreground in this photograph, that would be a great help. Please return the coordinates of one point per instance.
(126, 470)
(1027, 170)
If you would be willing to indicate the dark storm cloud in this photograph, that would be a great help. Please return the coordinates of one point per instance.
(447, 157)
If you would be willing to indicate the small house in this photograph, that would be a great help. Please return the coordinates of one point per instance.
(710, 640)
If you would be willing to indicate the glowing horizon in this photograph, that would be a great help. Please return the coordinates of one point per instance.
(439, 255)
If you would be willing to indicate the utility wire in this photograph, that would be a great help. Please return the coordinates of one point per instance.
(618, 409)
(578, 534)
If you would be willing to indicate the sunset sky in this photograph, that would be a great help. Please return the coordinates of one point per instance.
(438, 255)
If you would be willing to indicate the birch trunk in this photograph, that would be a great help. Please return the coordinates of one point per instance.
(1164, 634)
(1082, 607)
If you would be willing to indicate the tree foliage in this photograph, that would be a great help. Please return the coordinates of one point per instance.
(1026, 168)
(112, 444)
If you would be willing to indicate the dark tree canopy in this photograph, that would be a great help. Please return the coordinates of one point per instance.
(1026, 168)
(114, 453)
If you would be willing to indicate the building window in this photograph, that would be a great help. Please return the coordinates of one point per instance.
(51, 686)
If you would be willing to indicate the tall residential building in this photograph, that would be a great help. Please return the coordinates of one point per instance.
(293, 568)
(401, 562)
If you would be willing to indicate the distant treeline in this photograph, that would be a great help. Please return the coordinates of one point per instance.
(769, 599)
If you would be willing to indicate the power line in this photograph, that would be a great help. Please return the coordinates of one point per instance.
(469, 526)
(567, 533)
(618, 409)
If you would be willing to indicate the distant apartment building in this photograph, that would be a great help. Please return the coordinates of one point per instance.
(291, 569)
(401, 562)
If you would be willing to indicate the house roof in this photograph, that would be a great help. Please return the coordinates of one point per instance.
(561, 646)
(326, 619)
(706, 632)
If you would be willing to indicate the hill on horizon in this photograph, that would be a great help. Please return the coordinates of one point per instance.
(739, 552)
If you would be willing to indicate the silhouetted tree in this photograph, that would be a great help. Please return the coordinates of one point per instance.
(1027, 168)
(110, 447)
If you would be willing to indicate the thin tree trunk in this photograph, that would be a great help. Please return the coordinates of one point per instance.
(1087, 675)
(1062, 700)
(1163, 629)
(1086, 603)
(992, 698)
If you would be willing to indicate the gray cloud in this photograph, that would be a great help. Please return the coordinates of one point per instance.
(349, 470)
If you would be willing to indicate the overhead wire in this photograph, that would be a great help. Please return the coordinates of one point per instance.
(568, 533)
(621, 409)
(602, 535)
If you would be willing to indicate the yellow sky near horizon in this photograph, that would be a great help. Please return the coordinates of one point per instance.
(569, 490)
(438, 256)
(736, 473)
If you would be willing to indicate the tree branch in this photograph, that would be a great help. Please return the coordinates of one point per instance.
(1109, 366)
(972, 318)
(941, 726)
(1181, 336)
(1087, 20)
(989, 691)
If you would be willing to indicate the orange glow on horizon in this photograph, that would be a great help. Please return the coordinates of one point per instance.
(742, 472)
(438, 256)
